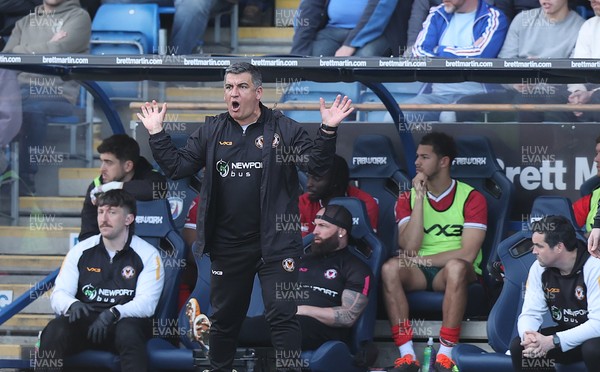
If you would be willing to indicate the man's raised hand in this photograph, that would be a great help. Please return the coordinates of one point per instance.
(152, 116)
(340, 108)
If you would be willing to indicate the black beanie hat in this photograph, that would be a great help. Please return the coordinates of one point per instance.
(337, 215)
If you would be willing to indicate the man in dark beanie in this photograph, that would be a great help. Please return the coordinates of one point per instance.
(332, 288)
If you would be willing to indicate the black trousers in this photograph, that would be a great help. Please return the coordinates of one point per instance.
(588, 352)
(314, 333)
(61, 339)
(231, 283)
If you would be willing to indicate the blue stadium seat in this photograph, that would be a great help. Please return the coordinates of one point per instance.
(376, 170)
(125, 29)
(400, 91)
(477, 166)
(158, 230)
(82, 116)
(309, 92)
(515, 254)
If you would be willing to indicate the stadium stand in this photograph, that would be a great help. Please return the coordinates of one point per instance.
(299, 92)
(400, 91)
(83, 116)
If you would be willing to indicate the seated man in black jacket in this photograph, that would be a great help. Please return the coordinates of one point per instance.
(122, 168)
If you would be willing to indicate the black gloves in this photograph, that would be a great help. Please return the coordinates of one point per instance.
(99, 329)
(77, 310)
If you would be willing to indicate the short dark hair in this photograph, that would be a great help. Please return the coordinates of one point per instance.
(117, 198)
(556, 229)
(241, 67)
(443, 144)
(122, 146)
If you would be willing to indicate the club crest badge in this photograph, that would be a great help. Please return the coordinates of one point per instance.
(288, 264)
(128, 272)
(330, 274)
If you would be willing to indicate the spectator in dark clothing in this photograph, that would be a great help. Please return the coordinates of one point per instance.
(91, 6)
(122, 168)
(376, 29)
(189, 22)
(256, 13)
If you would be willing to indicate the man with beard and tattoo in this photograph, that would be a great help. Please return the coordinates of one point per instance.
(332, 289)
(441, 226)
(249, 185)
(321, 189)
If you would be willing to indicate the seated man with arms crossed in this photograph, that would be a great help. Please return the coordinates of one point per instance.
(106, 292)
(441, 226)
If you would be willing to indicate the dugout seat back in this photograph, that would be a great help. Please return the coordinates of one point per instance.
(376, 170)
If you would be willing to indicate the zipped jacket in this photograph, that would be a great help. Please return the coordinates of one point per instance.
(489, 30)
(279, 185)
(131, 281)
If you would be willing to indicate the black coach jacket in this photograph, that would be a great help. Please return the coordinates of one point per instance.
(279, 188)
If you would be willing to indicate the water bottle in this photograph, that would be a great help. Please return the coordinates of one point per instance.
(36, 349)
(429, 355)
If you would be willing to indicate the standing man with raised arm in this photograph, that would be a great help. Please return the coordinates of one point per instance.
(247, 188)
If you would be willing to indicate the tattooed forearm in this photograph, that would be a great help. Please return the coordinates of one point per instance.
(353, 304)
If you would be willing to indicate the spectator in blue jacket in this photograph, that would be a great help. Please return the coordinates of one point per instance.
(420, 10)
(367, 28)
(457, 29)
